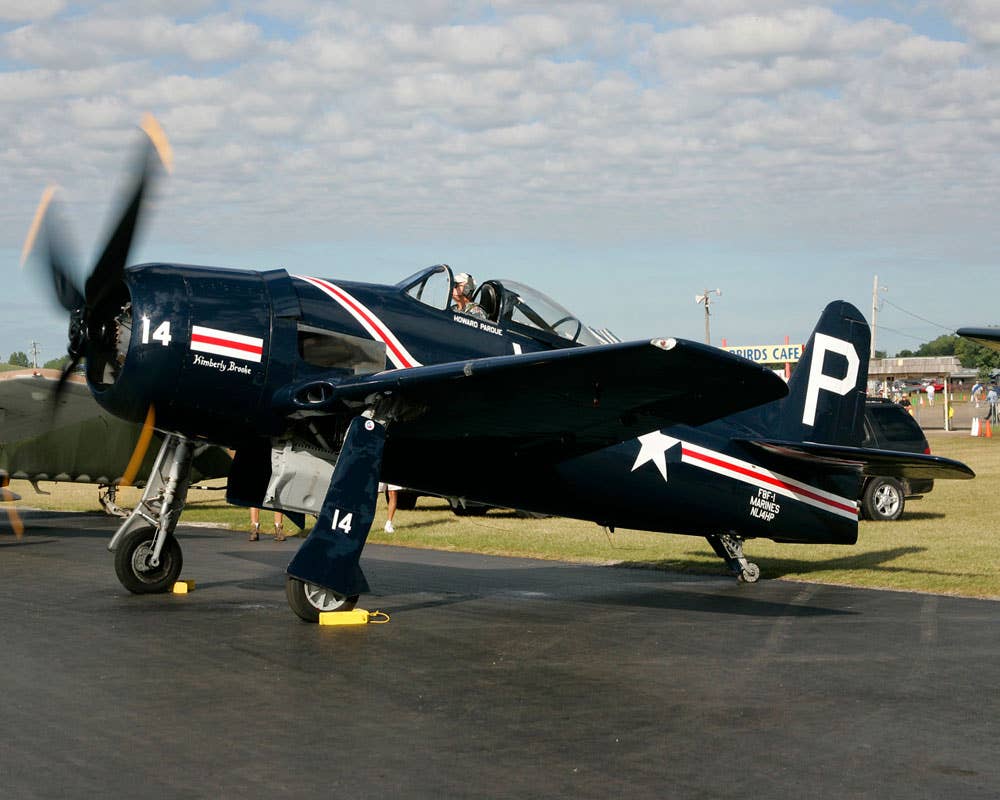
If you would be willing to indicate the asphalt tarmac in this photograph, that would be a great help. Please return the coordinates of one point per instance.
(496, 678)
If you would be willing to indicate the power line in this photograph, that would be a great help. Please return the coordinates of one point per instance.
(921, 339)
(950, 329)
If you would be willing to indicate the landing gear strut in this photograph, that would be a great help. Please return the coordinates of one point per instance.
(729, 548)
(107, 496)
(148, 558)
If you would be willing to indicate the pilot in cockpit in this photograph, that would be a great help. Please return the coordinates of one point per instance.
(462, 290)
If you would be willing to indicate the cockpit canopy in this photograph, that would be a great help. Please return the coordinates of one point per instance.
(503, 301)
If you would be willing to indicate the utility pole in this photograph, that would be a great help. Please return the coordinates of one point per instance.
(34, 355)
(875, 289)
(707, 300)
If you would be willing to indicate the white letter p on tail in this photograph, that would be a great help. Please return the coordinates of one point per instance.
(822, 344)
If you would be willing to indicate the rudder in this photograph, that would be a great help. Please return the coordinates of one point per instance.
(826, 393)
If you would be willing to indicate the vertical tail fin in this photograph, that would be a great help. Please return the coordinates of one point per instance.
(826, 393)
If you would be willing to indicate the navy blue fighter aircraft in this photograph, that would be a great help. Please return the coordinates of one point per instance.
(323, 386)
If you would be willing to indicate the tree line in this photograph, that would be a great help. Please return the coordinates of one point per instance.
(20, 359)
(970, 354)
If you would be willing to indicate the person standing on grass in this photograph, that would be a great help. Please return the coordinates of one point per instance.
(391, 498)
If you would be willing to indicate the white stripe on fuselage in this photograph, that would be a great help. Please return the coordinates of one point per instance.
(654, 446)
(376, 328)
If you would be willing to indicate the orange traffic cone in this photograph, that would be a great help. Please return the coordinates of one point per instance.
(989, 430)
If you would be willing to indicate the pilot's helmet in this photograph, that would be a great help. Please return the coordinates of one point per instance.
(469, 281)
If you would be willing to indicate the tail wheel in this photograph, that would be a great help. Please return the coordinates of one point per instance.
(308, 600)
(132, 562)
(883, 500)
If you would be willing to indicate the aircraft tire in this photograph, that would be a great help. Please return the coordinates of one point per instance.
(307, 600)
(883, 500)
(130, 566)
(750, 573)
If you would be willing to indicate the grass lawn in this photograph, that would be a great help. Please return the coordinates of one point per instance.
(944, 543)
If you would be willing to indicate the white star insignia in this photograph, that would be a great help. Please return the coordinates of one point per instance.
(653, 447)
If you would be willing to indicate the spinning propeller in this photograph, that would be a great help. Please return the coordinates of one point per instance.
(92, 326)
(95, 325)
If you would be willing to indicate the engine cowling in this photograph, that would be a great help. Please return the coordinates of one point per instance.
(201, 342)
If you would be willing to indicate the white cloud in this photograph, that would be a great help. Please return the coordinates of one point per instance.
(194, 122)
(98, 40)
(921, 50)
(170, 90)
(592, 121)
(481, 45)
(784, 74)
(29, 10)
(777, 52)
(980, 19)
(747, 36)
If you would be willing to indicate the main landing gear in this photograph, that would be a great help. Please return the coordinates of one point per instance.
(308, 600)
(148, 558)
(729, 548)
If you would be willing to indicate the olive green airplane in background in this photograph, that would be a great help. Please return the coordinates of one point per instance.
(80, 442)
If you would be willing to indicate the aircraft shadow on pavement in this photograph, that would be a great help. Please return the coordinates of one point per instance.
(704, 601)
(878, 561)
(438, 585)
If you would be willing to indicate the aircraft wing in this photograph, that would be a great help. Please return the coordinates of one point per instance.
(869, 461)
(990, 337)
(580, 398)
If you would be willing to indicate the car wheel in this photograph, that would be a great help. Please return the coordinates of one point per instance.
(883, 500)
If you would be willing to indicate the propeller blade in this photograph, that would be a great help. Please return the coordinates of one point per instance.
(110, 266)
(15, 522)
(139, 451)
(6, 495)
(36, 223)
(67, 292)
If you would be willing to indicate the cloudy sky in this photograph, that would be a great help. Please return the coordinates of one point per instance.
(620, 156)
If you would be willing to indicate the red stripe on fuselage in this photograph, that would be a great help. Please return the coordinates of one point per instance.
(249, 348)
(768, 479)
(370, 319)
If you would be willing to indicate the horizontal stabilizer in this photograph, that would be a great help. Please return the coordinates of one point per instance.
(989, 337)
(869, 461)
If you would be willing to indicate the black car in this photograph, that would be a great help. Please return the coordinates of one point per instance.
(889, 426)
